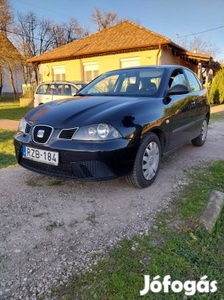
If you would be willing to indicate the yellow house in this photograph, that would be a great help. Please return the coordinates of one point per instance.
(123, 45)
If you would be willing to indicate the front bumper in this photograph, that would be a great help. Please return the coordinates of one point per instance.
(81, 160)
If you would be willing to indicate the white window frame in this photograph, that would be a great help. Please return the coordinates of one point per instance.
(90, 70)
(58, 73)
(130, 62)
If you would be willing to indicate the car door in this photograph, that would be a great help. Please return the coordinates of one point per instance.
(199, 98)
(46, 93)
(42, 94)
(180, 111)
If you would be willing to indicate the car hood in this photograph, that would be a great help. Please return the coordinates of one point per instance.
(82, 111)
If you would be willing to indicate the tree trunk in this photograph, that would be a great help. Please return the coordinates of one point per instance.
(11, 77)
(1, 82)
(36, 72)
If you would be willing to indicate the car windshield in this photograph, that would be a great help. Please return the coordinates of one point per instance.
(80, 85)
(126, 82)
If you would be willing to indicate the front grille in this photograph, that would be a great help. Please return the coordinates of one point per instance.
(63, 170)
(42, 133)
(67, 134)
(84, 170)
(95, 169)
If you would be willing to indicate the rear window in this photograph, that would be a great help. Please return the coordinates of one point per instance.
(56, 89)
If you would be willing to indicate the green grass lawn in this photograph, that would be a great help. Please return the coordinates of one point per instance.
(7, 153)
(12, 111)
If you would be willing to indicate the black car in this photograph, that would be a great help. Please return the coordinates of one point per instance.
(120, 124)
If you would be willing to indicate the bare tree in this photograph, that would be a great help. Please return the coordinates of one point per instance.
(200, 46)
(10, 59)
(67, 32)
(11, 68)
(36, 36)
(73, 31)
(6, 18)
(104, 19)
(1, 81)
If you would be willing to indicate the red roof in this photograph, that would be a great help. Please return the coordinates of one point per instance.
(122, 37)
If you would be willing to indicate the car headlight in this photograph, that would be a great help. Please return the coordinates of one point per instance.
(97, 132)
(22, 125)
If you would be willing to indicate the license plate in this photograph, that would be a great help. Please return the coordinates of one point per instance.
(43, 156)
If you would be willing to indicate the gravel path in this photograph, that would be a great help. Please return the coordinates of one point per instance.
(50, 228)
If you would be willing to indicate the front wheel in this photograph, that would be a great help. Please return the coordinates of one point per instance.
(147, 162)
(200, 140)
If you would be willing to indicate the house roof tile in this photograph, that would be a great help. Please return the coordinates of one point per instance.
(123, 36)
(7, 50)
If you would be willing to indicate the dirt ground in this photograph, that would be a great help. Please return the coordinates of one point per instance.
(50, 228)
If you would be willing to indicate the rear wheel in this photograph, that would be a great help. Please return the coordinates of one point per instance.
(200, 140)
(147, 162)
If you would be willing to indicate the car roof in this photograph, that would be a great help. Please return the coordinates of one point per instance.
(63, 82)
(151, 66)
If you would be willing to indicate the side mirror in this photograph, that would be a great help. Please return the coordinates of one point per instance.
(178, 89)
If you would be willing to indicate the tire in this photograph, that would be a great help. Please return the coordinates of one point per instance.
(147, 162)
(200, 140)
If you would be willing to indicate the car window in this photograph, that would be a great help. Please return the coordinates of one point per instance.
(194, 82)
(53, 89)
(106, 85)
(80, 85)
(42, 89)
(67, 89)
(73, 90)
(57, 89)
(131, 82)
(177, 77)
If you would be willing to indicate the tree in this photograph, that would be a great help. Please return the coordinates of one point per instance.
(67, 32)
(216, 93)
(104, 19)
(36, 36)
(200, 46)
(10, 59)
(6, 20)
(1, 81)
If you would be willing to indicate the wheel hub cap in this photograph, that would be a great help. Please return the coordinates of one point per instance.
(150, 161)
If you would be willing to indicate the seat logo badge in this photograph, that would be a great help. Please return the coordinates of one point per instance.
(40, 133)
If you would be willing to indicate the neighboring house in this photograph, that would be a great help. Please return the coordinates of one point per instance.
(10, 66)
(123, 45)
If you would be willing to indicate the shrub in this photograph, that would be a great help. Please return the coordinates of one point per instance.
(216, 93)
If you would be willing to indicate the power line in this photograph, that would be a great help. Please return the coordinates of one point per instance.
(45, 9)
(25, 35)
(183, 36)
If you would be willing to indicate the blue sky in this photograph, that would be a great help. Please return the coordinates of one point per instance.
(171, 18)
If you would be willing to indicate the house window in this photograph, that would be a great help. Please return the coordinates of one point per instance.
(59, 73)
(130, 62)
(91, 71)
